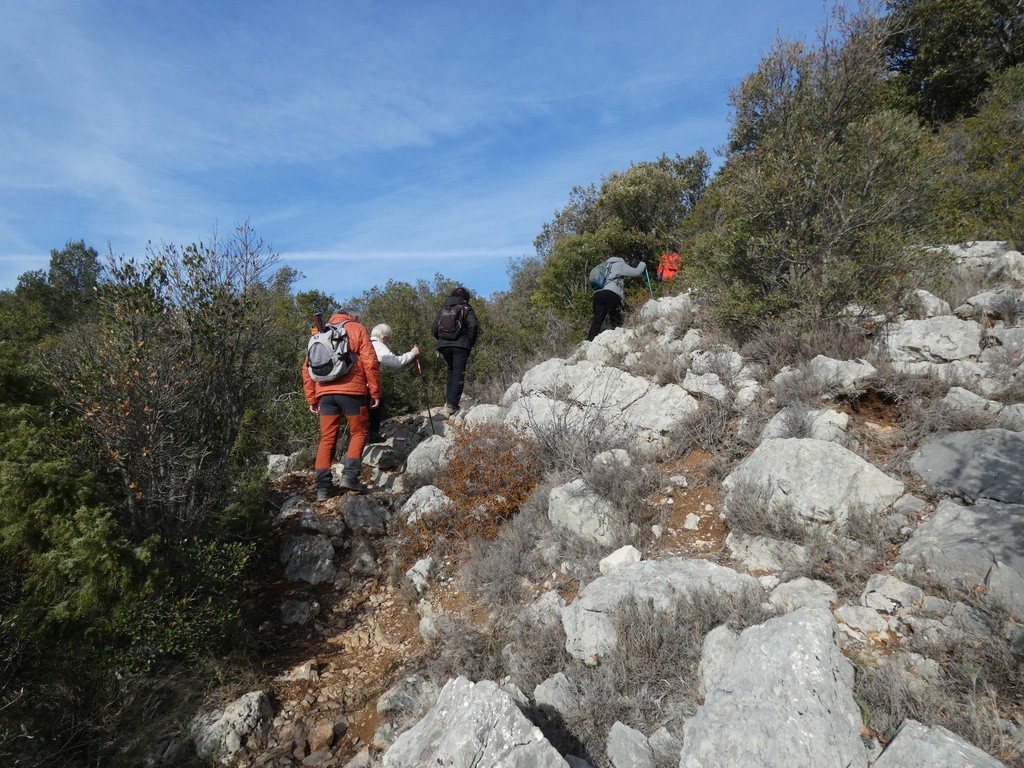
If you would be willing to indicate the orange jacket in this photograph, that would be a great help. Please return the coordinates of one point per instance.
(668, 265)
(363, 377)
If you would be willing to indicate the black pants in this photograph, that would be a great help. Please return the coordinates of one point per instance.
(606, 304)
(456, 358)
(376, 418)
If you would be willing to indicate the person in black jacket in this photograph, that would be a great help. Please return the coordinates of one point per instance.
(455, 329)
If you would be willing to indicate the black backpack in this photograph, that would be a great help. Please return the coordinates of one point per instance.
(450, 321)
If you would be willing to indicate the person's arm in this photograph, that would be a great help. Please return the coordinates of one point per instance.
(385, 356)
(389, 359)
(472, 326)
(629, 271)
(409, 356)
(309, 389)
(371, 366)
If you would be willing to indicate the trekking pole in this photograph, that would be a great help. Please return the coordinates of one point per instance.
(649, 286)
(426, 394)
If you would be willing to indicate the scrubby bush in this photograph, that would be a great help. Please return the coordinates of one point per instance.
(823, 198)
(649, 680)
(973, 688)
(490, 473)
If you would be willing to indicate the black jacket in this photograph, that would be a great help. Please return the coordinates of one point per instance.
(470, 328)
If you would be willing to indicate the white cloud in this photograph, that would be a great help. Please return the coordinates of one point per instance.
(350, 128)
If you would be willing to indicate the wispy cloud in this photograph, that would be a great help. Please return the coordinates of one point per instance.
(408, 130)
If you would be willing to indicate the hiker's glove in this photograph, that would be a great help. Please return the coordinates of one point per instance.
(315, 409)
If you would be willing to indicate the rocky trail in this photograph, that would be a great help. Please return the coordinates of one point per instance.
(330, 675)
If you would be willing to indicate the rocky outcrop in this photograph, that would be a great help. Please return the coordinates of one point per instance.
(785, 700)
(473, 724)
(780, 692)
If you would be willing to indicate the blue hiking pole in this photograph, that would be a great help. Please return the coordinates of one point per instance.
(649, 286)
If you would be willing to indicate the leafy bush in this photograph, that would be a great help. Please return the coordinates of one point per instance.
(57, 525)
(190, 606)
(982, 193)
(635, 214)
(163, 381)
(944, 54)
(823, 198)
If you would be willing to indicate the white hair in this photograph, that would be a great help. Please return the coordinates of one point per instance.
(381, 331)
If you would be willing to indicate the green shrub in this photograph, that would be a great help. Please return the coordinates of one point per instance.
(823, 199)
(190, 606)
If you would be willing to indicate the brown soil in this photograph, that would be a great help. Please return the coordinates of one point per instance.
(692, 522)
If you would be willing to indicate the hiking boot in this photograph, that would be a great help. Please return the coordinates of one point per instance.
(325, 493)
(450, 410)
(352, 484)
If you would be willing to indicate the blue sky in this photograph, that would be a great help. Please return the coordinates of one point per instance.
(363, 141)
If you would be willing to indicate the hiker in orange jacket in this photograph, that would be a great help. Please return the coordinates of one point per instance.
(351, 396)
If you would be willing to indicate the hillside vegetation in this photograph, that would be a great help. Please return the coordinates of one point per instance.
(141, 394)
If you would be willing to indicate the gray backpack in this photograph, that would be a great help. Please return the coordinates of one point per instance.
(327, 354)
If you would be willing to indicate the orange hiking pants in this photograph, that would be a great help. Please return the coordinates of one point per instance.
(356, 410)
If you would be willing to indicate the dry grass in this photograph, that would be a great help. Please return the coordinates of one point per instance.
(961, 286)
(650, 679)
(628, 487)
(749, 512)
(978, 695)
(502, 570)
(661, 365)
(706, 429)
(572, 440)
(1006, 367)
(844, 559)
(464, 647)
(795, 341)
(847, 560)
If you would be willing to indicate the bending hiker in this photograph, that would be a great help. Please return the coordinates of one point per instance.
(379, 336)
(353, 396)
(608, 299)
(455, 329)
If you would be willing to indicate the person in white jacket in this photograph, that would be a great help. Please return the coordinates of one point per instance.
(608, 301)
(379, 336)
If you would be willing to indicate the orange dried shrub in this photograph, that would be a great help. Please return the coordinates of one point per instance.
(490, 473)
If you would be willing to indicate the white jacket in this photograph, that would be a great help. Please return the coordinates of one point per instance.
(388, 358)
